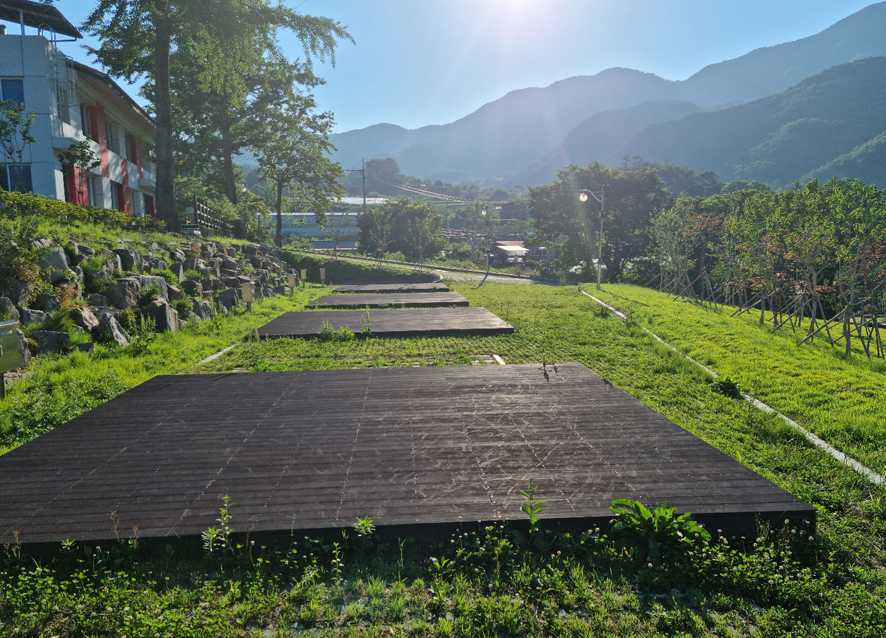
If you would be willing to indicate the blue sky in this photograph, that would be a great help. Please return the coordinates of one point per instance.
(419, 62)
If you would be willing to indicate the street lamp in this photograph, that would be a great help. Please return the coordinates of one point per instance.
(584, 196)
(486, 243)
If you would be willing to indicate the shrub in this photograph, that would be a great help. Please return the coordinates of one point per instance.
(183, 308)
(329, 333)
(727, 387)
(95, 273)
(18, 205)
(659, 533)
(148, 294)
(167, 274)
(20, 276)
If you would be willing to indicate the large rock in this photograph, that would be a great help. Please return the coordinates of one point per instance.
(229, 297)
(32, 315)
(178, 269)
(159, 282)
(175, 293)
(47, 302)
(157, 263)
(109, 330)
(164, 316)
(97, 300)
(202, 309)
(50, 341)
(84, 317)
(8, 311)
(124, 292)
(54, 258)
(23, 346)
(230, 264)
(129, 259)
(192, 288)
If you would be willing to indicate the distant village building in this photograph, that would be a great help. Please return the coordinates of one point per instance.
(72, 102)
(509, 252)
(339, 229)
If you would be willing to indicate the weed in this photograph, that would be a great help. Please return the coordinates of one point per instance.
(328, 332)
(148, 294)
(532, 506)
(364, 527)
(656, 533)
(727, 387)
(219, 538)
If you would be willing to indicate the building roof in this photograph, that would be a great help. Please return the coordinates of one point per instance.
(37, 15)
(111, 84)
(513, 250)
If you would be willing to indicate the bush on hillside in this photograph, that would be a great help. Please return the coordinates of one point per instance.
(29, 204)
(340, 271)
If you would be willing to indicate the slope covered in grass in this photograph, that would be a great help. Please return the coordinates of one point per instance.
(838, 398)
(493, 582)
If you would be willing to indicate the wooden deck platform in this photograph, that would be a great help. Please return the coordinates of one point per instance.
(391, 300)
(408, 322)
(413, 448)
(392, 288)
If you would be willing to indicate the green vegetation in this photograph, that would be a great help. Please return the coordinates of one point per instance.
(655, 574)
(407, 227)
(57, 389)
(819, 387)
(20, 205)
(217, 76)
(352, 271)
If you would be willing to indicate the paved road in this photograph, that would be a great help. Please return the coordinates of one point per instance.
(470, 276)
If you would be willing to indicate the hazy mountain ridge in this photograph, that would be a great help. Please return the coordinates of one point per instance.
(528, 127)
(781, 138)
(604, 137)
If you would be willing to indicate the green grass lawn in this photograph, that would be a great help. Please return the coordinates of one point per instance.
(58, 388)
(841, 399)
(492, 582)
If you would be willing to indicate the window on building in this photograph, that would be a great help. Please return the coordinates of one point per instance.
(149, 209)
(12, 89)
(96, 192)
(63, 102)
(132, 149)
(116, 196)
(16, 177)
(113, 135)
(86, 121)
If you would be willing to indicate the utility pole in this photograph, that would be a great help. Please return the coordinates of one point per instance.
(363, 174)
(584, 196)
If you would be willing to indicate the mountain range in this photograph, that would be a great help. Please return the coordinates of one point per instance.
(773, 115)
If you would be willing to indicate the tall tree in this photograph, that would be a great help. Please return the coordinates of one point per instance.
(631, 196)
(144, 38)
(292, 149)
(405, 226)
(137, 37)
(223, 74)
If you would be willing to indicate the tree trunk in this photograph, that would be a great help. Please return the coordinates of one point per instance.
(228, 168)
(165, 162)
(278, 239)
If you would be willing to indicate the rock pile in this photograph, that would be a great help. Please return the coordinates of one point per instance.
(93, 293)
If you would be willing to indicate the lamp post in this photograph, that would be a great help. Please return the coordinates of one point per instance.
(486, 243)
(584, 196)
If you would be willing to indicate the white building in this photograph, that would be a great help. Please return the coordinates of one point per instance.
(71, 102)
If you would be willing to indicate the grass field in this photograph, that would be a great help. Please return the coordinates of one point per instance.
(493, 582)
(841, 399)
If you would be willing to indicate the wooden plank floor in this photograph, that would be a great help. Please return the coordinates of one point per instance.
(392, 288)
(405, 446)
(386, 322)
(391, 300)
